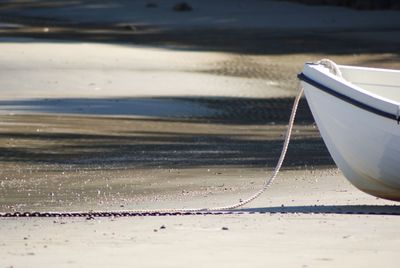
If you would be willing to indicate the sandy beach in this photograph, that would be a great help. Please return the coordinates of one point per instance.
(126, 105)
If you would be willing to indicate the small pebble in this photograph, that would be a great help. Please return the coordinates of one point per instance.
(163, 227)
(151, 5)
(129, 27)
(183, 6)
(225, 228)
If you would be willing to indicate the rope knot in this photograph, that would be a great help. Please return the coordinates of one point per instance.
(331, 66)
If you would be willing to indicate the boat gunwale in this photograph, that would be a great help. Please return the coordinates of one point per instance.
(348, 99)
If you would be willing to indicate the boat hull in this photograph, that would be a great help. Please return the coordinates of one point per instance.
(364, 145)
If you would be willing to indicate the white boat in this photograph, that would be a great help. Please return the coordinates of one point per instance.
(358, 116)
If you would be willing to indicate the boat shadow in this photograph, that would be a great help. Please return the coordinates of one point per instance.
(392, 210)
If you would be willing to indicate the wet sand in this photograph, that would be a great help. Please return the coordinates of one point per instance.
(180, 112)
(66, 162)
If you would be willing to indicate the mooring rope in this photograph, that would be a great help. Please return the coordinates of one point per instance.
(194, 211)
(267, 183)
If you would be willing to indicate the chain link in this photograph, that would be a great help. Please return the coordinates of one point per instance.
(118, 214)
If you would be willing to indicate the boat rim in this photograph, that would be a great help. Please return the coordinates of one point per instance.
(351, 100)
(348, 99)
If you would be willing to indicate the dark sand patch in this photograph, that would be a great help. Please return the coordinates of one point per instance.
(66, 161)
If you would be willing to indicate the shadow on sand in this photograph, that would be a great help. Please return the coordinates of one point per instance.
(224, 110)
(170, 133)
(240, 41)
(143, 30)
(162, 150)
(333, 209)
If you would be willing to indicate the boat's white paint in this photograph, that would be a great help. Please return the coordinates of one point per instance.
(364, 145)
(383, 83)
